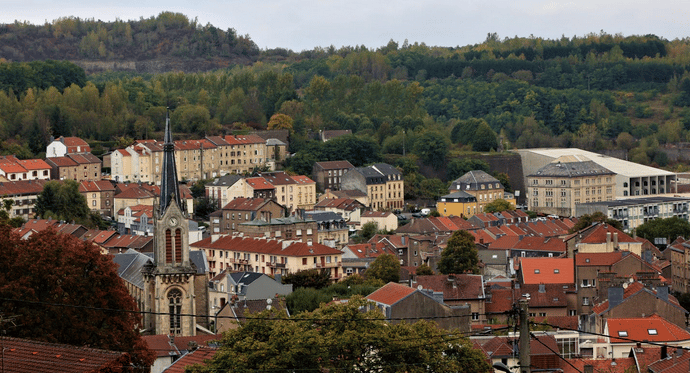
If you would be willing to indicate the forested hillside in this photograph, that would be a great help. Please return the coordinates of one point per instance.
(425, 109)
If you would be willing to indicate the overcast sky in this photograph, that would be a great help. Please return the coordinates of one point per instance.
(305, 24)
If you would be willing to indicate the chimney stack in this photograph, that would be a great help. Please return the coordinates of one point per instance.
(608, 238)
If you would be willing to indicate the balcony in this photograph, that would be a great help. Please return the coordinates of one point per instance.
(242, 261)
(275, 265)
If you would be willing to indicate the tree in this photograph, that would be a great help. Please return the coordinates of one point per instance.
(66, 291)
(484, 139)
(670, 228)
(460, 254)
(308, 278)
(424, 270)
(342, 338)
(432, 148)
(586, 220)
(62, 201)
(368, 231)
(498, 205)
(386, 267)
(280, 122)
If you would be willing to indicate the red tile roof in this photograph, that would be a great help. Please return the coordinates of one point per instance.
(259, 183)
(245, 204)
(369, 250)
(598, 235)
(198, 356)
(653, 328)
(620, 365)
(301, 179)
(22, 187)
(33, 164)
(390, 294)
(541, 244)
(547, 271)
(264, 246)
(23, 355)
(163, 345)
(376, 214)
(597, 259)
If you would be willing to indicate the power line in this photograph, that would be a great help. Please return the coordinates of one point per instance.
(42, 303)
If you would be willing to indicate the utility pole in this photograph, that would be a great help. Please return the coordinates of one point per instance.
(525, 361)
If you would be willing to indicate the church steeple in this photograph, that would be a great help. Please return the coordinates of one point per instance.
(170, 190)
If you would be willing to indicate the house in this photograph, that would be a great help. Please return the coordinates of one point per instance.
(100, 196)
(331, 228)
(458, 203)
(240, 286)
(24, 195)
(198, 356)
(348, 208)
(543, 351)
(399, 302)
(235, 312)
(358, 257)
(593, 268)
(546, 301)
(241, 210)
(484, 187)
(288, 228)
(331, 134)
(66, 145)
(170, 349)
(601, 238)
(457, 290)
(355, 194)
(384, 220)
(23, 355)
(258, 187)
(15, 169)
(267, 255)
(382, 183)
(328, 174)
(226, 188)
(559, 186)
(636, 300)
(625, 333)
(546, 271)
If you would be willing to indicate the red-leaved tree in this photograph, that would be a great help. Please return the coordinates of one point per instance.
(63, 290)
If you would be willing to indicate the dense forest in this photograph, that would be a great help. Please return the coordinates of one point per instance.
(425, 109)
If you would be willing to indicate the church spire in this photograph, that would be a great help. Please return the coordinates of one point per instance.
(170, 190)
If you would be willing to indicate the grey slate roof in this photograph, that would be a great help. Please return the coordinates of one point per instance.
(130, 265)
(226, 180)
(458, 196)
(245, 278)
(572, 169)
(472, 181)
(320, 216)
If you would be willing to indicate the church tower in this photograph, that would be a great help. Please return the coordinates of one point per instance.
(169, 279)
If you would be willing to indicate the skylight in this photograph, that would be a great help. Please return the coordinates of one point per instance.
(622, 333)
(652, 331)
(536, 271)
(556, 270)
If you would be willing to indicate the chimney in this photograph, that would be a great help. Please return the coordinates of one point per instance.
(615, 296)
(615, 239)
(608, 238)
(662, 292)
(664, 351)
(542, 288)
(402, 240)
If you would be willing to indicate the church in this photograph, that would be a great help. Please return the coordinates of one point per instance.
(171, 285)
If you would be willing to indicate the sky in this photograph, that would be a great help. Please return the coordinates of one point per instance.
(306, 24)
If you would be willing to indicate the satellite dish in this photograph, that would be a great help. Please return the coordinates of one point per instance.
(625, 285)
(631, 280)
(420, 287)
(269, 301)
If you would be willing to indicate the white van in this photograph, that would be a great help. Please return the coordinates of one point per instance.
(425, 212)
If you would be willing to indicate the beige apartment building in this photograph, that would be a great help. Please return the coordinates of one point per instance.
(195, 159)
(569, 180)
(382, 183)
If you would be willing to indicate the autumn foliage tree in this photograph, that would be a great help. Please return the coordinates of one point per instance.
(63, 290)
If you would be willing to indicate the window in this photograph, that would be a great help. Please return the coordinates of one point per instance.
(585, 283)
(585, 301)
(475, 315)
(542, 314)
(175, 311)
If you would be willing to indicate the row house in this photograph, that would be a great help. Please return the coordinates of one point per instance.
(287, 228)
(14, 169)
(100, 196)
(24, 195)
(268, 256)
(79, 167)
(331, 228)
(226, 188)
(382, 183)
(457, 290)
(384, 220)
(349, 209)
(602, 238)
(678, 253)
(293, 192)
(62, 146)
(358, 257)
(355, 194)
(206, 158)
(633, 212)
(241, 210)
